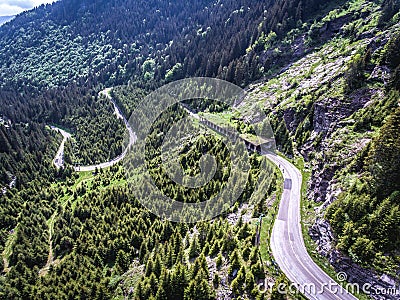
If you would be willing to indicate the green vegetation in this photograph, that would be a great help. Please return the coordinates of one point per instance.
(232, 121)
(101, 234)
(224, 119)
(326, 73)
(97, 133)
(337, 75)
(366, 216)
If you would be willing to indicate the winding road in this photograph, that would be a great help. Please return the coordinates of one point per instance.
(58, 161)
(287, 242)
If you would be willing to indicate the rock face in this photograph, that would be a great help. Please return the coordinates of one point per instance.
(331, 28)
(381, 74)
(322, 175)
(291, 121)
(321, 150)
(367, 279)
(329, 112)
(378, 287)
(321, 232)
(327, 118)
(324, 115)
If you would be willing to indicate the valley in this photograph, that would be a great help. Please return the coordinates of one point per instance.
(313, 129)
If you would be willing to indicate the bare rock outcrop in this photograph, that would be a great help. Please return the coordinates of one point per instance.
(378, 286)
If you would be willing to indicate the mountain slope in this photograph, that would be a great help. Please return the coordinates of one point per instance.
(57, 43)
(337, 108)
(325, 72)
(110, 41)
(5, 19)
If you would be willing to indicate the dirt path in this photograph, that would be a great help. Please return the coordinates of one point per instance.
(50, 259)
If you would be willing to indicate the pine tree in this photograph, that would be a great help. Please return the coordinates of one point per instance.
(216, 280)
(179, 281)
(122, 261)
(199, 290)
(194, 249)
(237, 284)
(235, 262)
(250, 281)
(149, 268)
(164, 291)
(153, 284)
(157, 265)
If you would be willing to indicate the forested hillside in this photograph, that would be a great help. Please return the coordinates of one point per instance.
(147, 42)
(337, 107)
(57, 44)
(63, 44)
(4, 19)
(327, 75)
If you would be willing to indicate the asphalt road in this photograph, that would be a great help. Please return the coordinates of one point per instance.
(132, 139)
(58, 160)
(287, 242)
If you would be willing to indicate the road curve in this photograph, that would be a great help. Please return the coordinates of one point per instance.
(132, 139)
(58, 160)
(287, 242)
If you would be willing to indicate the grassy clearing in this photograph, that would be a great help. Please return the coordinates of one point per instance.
(224, 119)
(85, 182)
